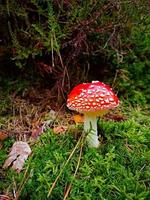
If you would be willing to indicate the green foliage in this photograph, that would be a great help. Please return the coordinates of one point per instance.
(133, 70)
(46, 36)
(51, 34)
(83, 40)
(119, 169)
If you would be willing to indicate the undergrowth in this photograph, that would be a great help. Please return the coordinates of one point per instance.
(118, 169)
(79, 41)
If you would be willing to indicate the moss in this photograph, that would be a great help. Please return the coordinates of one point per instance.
(119, 169)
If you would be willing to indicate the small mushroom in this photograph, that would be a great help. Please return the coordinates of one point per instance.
(93, 100)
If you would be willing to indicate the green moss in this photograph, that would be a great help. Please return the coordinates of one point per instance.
(119, 169)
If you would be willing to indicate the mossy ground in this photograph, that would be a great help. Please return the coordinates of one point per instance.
(118, 169)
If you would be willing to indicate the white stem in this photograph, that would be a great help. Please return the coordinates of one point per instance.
(90, 127)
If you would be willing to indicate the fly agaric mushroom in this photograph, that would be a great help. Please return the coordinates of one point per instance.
(93, 100)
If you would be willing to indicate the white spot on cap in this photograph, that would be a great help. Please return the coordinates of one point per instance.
(103, 89)
(107, 93)
(94, 103)
(90, 92)
(90, 100)
(81, 95)
(92, 96)
(81, 99)
(102, 95)
(92, 86)
(113, 103)
(107, 100)
(95, 81)
(111, 99)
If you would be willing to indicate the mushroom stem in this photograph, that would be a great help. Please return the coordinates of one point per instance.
(90, 127)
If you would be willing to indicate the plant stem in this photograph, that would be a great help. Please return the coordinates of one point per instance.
(77, 167)
(63, 167)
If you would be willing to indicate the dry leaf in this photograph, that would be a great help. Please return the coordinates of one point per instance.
(4, 197)
(78, 119)
(3, 135)
(19, 153)
(37, 132)
(59, 129)
(52, 114)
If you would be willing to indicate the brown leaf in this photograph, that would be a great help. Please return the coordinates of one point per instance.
(59, 129)
(4, 197)
(37, 132)
(19, 153)
(3, 135)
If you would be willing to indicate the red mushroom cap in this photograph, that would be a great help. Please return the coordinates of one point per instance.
(92, 97)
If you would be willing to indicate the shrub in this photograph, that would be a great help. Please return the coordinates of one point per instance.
(77, 40)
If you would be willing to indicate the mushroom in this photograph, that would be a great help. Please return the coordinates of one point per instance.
(93, 100)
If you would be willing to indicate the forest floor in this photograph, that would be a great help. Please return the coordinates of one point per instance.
(60, 165)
